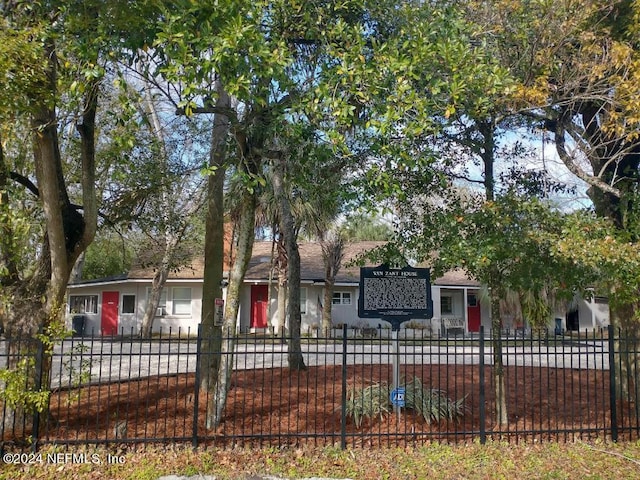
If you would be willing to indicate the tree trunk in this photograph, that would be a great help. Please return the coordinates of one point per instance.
(159, 280)
(281, 318)
(287, 227)
(626, 344)
(214, 245)
(332, 255)
(327, 308)
(245, 230)
(38, 301)
(498, 364)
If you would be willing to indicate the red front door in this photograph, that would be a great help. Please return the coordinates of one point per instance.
(109, 322)
(473, 312)
(259, 306)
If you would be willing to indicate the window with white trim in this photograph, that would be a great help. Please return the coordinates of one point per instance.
(128, 303)
(181, 301)
(303, 301)
(83, 304)
(341, 298)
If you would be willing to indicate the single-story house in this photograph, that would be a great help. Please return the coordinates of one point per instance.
(116, 304)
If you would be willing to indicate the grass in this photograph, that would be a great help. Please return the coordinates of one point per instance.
(435, 461)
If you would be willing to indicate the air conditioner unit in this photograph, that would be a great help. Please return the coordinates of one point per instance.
(159, 312)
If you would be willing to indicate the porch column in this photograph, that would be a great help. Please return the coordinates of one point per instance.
(465, 309)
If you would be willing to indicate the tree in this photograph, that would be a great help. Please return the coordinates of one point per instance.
(50, 94)
(507, 244)
(333, 245)
(363, 227)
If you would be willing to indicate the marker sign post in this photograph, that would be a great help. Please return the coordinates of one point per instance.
(395, 295)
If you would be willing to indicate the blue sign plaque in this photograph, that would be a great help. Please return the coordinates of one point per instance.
(397, 397)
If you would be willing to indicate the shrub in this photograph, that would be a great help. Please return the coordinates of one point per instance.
(368, 402)
(374, 401)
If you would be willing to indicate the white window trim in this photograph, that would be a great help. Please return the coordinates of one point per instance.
(181, 301)
(343, 296)
(122, 303)
(94, 303)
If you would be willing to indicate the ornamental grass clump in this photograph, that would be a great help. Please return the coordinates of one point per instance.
(368, 402)
(374, 401)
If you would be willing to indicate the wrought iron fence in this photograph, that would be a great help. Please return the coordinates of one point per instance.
(125, 389)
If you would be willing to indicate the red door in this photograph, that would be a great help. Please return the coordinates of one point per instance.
(259, 306)
(109, 322)
(473, 312)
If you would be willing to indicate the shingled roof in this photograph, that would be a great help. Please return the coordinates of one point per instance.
(312, 265)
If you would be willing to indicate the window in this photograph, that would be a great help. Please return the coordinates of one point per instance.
(446, 304)
(472, 300)
(341, 298)
(181, 301)
(162, 303)
(83, 304)
(303, 301)
(128, 304)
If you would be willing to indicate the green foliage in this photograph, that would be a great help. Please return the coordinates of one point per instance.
(368, 402)
(15, 390)
(596, 245)
(79, 369)
(432, 404)
(107, 256)
(361, 227)
(374, 402)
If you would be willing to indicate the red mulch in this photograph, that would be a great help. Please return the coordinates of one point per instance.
(282, 407)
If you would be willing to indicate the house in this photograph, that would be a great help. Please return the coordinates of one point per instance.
(116, 305)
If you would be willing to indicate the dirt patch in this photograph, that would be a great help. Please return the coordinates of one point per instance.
(281, 407)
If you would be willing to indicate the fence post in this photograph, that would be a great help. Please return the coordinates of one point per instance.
(196, 390)
(612, 384)
(343, 417)
(482, 399)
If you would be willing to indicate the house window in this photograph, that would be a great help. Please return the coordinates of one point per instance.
(83, 304)
(161, 309)
(341, 298)
(181, 301)
(128, 304)
(446, 304)
(303, 301)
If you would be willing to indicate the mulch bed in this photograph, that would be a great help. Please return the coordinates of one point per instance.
(282, 407)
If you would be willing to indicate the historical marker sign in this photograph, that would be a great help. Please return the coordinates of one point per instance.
(395, 294)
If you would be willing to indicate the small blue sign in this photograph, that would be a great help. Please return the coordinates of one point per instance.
(397, 397)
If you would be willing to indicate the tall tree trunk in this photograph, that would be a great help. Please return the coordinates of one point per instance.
(498, 364)
(287, 227)
(157, 284)
(281, 318)
(214, 244)
(332, 255)
(245, 231)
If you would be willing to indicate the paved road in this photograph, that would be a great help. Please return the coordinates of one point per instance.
(98, 360)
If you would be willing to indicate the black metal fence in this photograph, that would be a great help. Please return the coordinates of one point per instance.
(124, 389)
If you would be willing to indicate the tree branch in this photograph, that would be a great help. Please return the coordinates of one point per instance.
(574, 168)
